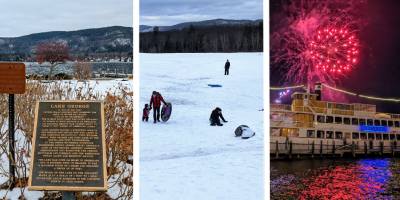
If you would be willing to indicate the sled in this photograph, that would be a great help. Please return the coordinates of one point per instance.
(166, 112)
(244, 132)
(214, 85)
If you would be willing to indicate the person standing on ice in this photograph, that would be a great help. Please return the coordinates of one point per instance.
(227, 65)
(215, 115)
(155, 101)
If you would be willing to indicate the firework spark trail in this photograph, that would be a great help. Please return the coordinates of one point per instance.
(295, 44)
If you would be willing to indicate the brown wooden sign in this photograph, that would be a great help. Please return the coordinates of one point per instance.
(69, 149)
(12, 78)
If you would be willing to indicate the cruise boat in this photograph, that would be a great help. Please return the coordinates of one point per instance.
(312, 126)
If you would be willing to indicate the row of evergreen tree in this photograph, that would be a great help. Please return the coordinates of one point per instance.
(238, 38)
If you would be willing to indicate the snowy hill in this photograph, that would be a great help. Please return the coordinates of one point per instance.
(97, 40)
(186, 158)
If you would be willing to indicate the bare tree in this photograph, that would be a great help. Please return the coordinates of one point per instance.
(83, 71)
(54, 53)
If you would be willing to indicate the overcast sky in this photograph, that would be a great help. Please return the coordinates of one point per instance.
(22, 17)
(170, 12)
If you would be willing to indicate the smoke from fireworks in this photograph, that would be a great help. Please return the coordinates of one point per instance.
(316, 41)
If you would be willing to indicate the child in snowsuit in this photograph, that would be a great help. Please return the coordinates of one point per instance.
(146, 111)
(214, 118)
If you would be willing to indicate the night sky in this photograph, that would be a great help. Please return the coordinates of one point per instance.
(378, 73)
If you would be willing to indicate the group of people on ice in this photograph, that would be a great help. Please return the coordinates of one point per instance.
(215, 117)
(156, 100)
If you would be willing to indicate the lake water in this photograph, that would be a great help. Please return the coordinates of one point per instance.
(336, 179)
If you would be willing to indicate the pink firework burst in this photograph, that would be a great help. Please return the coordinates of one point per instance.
(333, 50)
(316, 41)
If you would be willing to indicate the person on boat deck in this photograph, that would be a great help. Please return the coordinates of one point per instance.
(215, 115)
(155, 101)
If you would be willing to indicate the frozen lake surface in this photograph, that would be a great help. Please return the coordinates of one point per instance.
(186, 158)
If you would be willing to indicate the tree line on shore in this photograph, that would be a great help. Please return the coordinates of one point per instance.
(239, 38)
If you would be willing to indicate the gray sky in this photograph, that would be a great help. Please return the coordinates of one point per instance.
(170, 12)
(22, 17)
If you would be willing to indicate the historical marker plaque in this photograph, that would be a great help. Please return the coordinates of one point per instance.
(69, 150)
(12, 78)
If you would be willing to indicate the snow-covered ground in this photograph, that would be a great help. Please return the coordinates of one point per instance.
(185, 158)
(100, 87)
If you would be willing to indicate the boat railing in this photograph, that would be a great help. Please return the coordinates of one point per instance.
(290, 124)
(280, 107)
(313, 148)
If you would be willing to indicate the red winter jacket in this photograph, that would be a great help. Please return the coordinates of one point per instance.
(156, 101)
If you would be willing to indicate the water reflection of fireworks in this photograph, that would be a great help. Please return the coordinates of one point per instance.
(365, 179)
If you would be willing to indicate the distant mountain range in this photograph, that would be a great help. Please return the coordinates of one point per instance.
(114, 39)
(206, 23)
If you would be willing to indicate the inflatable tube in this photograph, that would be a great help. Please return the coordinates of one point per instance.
(166, 111)
(239, 130)
(244, 132)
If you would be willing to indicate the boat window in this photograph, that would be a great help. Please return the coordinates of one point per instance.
(370, 122)
(355, 136)
(329, 119)
(298, 96)
(362, 121)
(378, 136)
(385, 136)
(396, 123)
(338, 135)
(383, 123)
(311, 133)
(392, 137)
(354, 121)
(377, 122)
(371, 136)
(329, 134)
(346, 120)
(320, 134)
(276, 132)
(390, 123)
(338, 120)
(363, 136)
(320, 118)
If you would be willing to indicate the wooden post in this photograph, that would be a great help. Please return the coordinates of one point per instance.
(312, 149)
(353, 149)
(276, 149)
(381, 147)
(333, 147)
(365, 148)
(11, 140)
(68, 196)
(392, 147)
(290, 149)
(320, 149)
